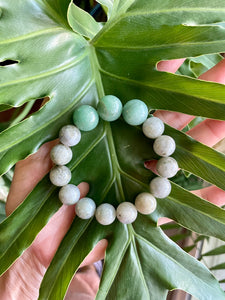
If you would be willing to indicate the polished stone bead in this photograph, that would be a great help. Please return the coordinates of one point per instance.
(126, 213)
(69, 135)
(160, 187)
(105, 214)
(145, 203)
(85, 208)
(153, 127)
(85, 117)
(60, 175)
(135, 112)
(167, 167)
(164, 145)
(69, 194)
(61, 154)
(110, 108)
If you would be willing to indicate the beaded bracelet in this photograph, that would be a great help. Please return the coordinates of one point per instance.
(86, 118)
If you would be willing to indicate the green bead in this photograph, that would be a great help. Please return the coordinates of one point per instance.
(135, 112)
(110, 108)
(85, 117)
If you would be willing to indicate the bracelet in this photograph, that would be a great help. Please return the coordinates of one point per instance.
(86, 118)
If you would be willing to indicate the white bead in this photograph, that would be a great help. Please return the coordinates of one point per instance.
(164, 145)
(126, 213)
(61, 154)
(85, 208)
(153, 127)
(145, 203)
(167, 167)
(160, 187)
(60, 175)
(69, 135)
(69, 194)
(105, 214)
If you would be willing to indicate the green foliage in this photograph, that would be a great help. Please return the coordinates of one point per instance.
(55, 60)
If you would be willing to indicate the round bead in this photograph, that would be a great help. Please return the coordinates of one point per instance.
(85, 117)
(135, 112)
(60, 175)
(167, 167)
(153, 127)
(85, 208)
(126, 213)
(61, 154)
(145, 203)
(110, 108)
(164, 145)
(69, 194)
(160, 187)
(69, 135)
(105, 214)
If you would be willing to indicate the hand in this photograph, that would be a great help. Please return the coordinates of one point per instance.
(22, 280)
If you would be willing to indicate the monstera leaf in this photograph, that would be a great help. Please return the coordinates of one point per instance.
(60, 52)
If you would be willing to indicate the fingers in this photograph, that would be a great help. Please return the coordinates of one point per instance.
(215, 74)
(174, 119)
(27, 174)
(49, 238)
(170, 65)
(96, 254)
(208, 132)
(212, 194)
(84, 285)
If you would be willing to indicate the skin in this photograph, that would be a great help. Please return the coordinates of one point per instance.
(22, 280)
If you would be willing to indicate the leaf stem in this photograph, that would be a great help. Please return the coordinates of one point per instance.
(109, 136)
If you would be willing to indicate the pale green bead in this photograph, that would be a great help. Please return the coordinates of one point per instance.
(160, 187)
(110, 108)
(145, 203)
(69, 194)
(85, 208)
(105, 214)
(135, 112)
(126, 212)
(85, 117)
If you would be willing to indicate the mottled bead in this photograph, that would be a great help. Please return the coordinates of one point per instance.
(135, 112)
(126, 213)
(60, 175)
(61, 154)
(105, 214)
(85, 117)
(164, 145)
(167, 167)
(160, 187)
(85, 208)
(145, 203)
(110, 108)
(69, 194)
(69, 135)
(153, 127)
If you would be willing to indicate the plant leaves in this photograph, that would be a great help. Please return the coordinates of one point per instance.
(218, 267)
(132, 250)
(195, 66)
(216, 251)
(2, 211)
(81, 22)
(60, 64)
(107, 5)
